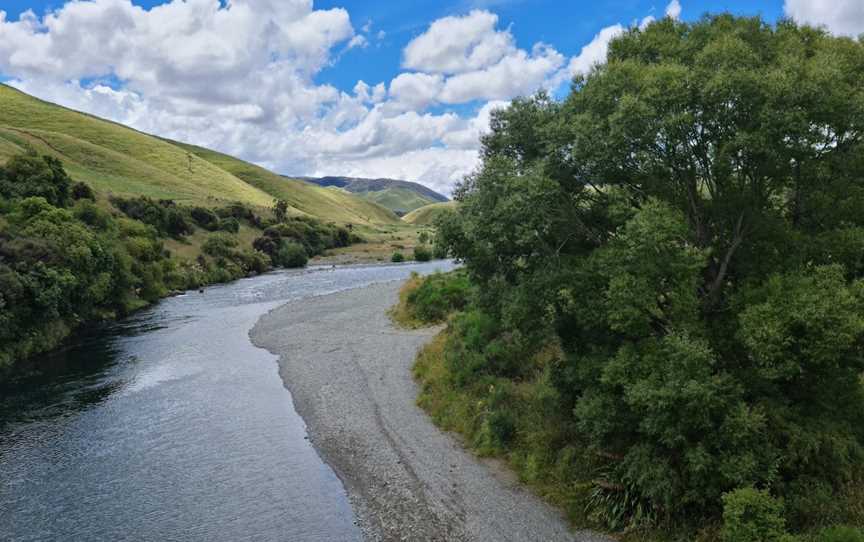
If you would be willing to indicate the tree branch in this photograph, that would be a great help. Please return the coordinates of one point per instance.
(717, 284)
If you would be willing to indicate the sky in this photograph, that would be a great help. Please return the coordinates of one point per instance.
(370, 88)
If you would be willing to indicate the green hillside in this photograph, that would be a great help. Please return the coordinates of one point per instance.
(114, 158)
(425, 216)
(118, 160)
(401, 199)
(399, 196)
(305, 198)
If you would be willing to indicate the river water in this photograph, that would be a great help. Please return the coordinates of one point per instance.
(171, 425)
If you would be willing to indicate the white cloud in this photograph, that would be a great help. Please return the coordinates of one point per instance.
(841, 17)
(673, 10)
(475, 61)
(593, 53)
(416, 90)
(517, 74)
(459, 44)
(239, 76)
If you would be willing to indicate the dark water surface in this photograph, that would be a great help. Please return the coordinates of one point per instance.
(171, 425)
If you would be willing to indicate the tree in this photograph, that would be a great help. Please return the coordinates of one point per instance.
(31, 175)
(688, 224)
(280, 210)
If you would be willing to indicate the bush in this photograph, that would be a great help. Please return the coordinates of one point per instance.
(290, 255)
(752, 515)
(841, 534)
(176, 224)
(230, 224)
(82, 191)
(439, 295)
(87, 212)
(219, 245)
(397, 257)
(31, 175)
(422, 253)
(162, 215)
(205, 218)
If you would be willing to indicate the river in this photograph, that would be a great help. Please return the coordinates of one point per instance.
(171, 425)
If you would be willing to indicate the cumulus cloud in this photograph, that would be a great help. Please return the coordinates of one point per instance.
(471, 59)
(459, 44)
(595, 52)
(239, 76)
(517, 74)
(841, 17)
(416, 90)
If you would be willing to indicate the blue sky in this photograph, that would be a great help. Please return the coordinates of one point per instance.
(567, 25)
(344, 87)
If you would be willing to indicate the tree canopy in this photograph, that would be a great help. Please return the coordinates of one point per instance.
(689, 224)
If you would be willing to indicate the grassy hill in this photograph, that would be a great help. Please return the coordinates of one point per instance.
(115, 159)
(303, 197)
(397, 199)
(398, 196)
(425, 216)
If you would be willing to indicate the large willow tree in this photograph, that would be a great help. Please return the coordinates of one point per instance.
(690, 223)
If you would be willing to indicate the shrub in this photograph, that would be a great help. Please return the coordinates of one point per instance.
(219, 245)
(82, 190)
(439, 295)
(31, 175)
(397, 257)
(230, 224)
(87, 212)
(205, 218)
(422, 253)
(290, 255)
(841, 534)
(752, 515)
(176, 224)
(162, 215)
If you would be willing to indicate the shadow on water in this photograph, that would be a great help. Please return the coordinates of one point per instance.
(75, 377)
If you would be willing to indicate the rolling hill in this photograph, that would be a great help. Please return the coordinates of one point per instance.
(116, 159)
(425, 216)
(334, 205)
(399, 196)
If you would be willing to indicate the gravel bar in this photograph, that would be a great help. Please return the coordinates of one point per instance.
(349, 372)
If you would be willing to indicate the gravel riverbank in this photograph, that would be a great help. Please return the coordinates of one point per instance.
(349, 372)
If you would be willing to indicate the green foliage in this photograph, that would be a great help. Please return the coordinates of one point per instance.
(752, 515)
(422, 253)
(205, 218)
(219, 244)
(311, 235)
(280, 210)
(82, 191)
(230, 224)
(63, 265)
(841, 534)
(31, 175)
(163, 215)
(686, 225)
(439, 295)
(397, 257)
(290, 254)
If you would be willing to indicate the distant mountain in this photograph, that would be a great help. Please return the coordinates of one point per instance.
(399, 196)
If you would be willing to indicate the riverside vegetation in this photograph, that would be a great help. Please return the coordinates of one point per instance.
(69, 255)
(660, 319)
